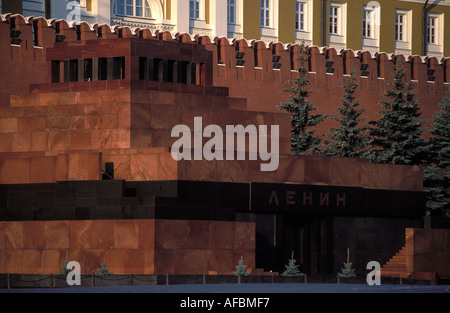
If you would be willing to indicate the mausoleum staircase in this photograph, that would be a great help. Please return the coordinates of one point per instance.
(396, 266)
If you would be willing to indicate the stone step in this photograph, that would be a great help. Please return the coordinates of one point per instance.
(396, 266)
(402, 264)
(393, 273)
(393, 269)
(399, 255)
(399, 269)
(396, 262)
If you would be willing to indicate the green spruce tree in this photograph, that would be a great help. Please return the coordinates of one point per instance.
(437, 176)
(64, 269)
(292, 269)
(351, 139)
(303, 121)
(103, 270)
(241, 269)
(397, 135)
(347, 271)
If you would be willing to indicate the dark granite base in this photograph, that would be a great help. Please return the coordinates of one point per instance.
(371, 223)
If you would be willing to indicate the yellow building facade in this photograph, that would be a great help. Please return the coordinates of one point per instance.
(417, 27)
(392, 26)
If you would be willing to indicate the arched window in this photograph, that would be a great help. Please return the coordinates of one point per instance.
(140, 8)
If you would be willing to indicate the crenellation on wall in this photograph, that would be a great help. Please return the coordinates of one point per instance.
(283, 64)
(257, 66)
(446, 63)
(164, 35)
(44, 33)
(248, 68)
(257, 51)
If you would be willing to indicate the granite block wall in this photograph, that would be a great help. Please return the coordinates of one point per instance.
(126, 246)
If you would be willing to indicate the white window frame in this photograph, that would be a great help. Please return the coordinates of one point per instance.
(432, 30)
(234, 30)
(368, 27)
(232, 8)
(403, 42)
(435, 47)
(269, 31)
(337, 22)
(266, 14)
(304, 34)
(371, 27)
(199, 25)
(195, 8)
(301, 15)
(334, 19)
(126, 4)
(400, 26)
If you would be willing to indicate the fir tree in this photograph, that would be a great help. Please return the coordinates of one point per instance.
(103, 270)
(303, 140)
(292, 269)
(437, 176)
(64, 269)
(241, 269)
(347, 271)
(397, 134)
(350, 139)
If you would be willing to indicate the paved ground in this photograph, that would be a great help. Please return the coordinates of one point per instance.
(247, 288)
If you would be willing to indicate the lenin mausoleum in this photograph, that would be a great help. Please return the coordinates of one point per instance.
(87, 173)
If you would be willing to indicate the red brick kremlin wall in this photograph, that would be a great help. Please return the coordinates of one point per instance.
(256, 80)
